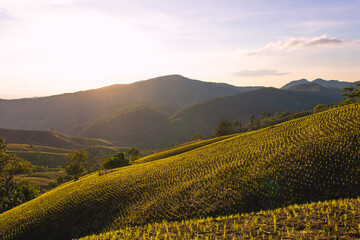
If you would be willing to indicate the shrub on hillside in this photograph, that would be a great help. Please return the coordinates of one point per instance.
(115, 161)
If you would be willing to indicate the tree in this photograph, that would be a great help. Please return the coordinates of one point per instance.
(115, 161)
(251, 119)
(223, 128)
(197, 136)
(133, 154)
(352, 95)
(95, 156)
(10, 166)
(262, 115)
(21, 192)
(320, 108)
(76, 161)
(237, 125)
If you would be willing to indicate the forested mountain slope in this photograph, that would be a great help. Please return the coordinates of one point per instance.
(204, 116)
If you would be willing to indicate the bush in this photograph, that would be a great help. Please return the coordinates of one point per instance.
(115, 161)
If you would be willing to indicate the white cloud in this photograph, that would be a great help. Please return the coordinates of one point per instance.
(5, 16)
(259, 72)
(296, 43)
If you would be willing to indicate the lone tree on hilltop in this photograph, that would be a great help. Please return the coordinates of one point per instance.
(76, 161)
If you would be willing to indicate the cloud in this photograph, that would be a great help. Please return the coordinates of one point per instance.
(4, 16)
(296, 43)
(259, 73)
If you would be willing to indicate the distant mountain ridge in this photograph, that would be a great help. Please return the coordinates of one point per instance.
(151, 130)
(161, 111)
(324, 83)
(63, 112)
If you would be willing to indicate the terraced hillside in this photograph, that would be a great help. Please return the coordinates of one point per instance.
(47, 148)
(336, 219)
(181, 149)
(53, 157)
(308, 159)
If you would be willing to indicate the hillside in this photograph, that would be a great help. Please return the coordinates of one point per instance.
(63, 112)
(46, 148)
(336, 219)
(48, 138)
(145, 127)
(126, 124)
(304, 160)
(203, 117)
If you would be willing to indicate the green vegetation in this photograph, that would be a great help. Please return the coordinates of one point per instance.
(11, 193)
(336, 219)
(225, 127)
(133, 154)
(76, 160)
(352, 95)
(196, 137)
(304, 160)
(116, 161)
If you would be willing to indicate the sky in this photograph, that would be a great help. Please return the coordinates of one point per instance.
(50, 47)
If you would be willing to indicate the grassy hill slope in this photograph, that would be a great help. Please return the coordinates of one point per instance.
(180, 149)
(45, 148)
(308, 159)
(49, 139)
(336, 219)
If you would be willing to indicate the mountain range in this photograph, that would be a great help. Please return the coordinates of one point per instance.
(161, 111)
(324, 83)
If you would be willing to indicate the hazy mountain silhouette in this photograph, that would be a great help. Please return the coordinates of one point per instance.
(203, 117)
(324, 83)
(62, 112)
(161, 111)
